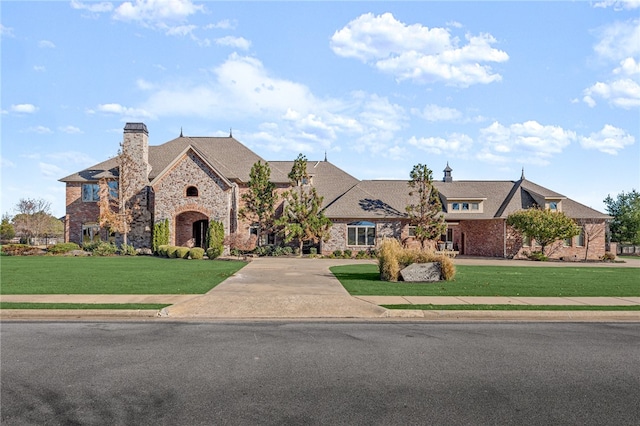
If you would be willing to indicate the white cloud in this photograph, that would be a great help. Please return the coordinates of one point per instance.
(46, 44)
(126, 112)
(144, 84)
(237, 42)
(39, 68)
(24, 108)
(94, 7)
(154, 11)
(6, 31)
(70, 130)
(619, 4)
(223, 25)
(623, 93)
(40, 129)
(7, 163)
(619, 40)
(181, 30)
(455, 143)
(418, 53)
(71, 157)
(50, 170)
(433, 112)
(609, 140)
(530, 141)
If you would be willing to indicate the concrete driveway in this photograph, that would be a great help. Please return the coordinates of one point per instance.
(278, 288)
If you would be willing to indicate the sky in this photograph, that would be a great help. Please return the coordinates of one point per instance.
(489, 87)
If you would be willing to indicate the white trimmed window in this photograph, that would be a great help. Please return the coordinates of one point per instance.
(361, 233)
(580, 238)
(90, 192)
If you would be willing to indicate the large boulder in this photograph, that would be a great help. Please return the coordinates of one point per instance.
(422, 272)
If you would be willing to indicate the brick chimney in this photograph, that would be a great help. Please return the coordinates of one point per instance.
(135, 146)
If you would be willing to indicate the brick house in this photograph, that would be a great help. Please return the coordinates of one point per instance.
(192, 180)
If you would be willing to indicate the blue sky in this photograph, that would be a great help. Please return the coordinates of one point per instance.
(489, 87)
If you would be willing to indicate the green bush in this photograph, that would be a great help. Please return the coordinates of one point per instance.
(608, 257)
(362, 254)
(348, 254)
(539, 256)
(105, 249)
(196, 253)
(128, 250)
(215, 238)
(277, 251)
(162, 250)
(171, 252)
(287, 250)
(182, 253)
(62, 248)
(160, 235)
(213, 252)
(337, 253)
(313, 251)
(91, 245)
(263, 250)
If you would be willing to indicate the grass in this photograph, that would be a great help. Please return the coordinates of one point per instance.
(513, 307)
(133, 306)
(364, 279)
(111, 275)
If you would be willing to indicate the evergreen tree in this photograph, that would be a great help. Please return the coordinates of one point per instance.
(302, 218)
(426, 215)
(260, 200)
(625, 209)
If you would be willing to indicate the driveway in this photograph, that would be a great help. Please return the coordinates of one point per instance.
(278, 288)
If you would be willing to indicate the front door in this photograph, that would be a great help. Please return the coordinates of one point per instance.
(200, 232)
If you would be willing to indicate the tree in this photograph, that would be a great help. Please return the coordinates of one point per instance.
(260, 200)
(117, 201)
(302, 217)
(7, 231)
(215, 239)
(625, 209)
(33, 218)
(544, 226)
(426, 215)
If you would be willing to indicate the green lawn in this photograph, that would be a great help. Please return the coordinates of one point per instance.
(134, 306)
(514, 307)
(111, 275)
(364, 279)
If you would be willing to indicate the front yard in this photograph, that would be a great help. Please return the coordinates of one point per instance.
(364, 280)
(111, 275)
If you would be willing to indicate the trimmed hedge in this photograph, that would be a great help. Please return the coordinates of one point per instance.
(171, 252)
(196, 253)
(62, 248)
(182, 253)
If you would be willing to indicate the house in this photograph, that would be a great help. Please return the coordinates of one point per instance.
(193, 180)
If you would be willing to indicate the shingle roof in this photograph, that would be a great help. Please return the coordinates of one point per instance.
(226, 154)
(389, 198)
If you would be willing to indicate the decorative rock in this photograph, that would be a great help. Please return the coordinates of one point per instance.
(422, 272)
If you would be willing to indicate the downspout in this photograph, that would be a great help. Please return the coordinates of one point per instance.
(504, 239)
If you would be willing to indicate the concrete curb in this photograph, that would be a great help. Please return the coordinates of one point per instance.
(388, 315)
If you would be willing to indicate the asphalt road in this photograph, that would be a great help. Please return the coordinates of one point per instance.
(284, 373)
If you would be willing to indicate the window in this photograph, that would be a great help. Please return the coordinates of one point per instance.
(455, 206)
(475, 206)
(192, 191)
(526, 241)
(90, 232)
(567, 242)
(90, 192)
(361, 234)
(465, 206)
(580, 242)
(113, 188)
(553, 206)
(412, 230)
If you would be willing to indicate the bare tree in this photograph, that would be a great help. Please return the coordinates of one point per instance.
(33, 218)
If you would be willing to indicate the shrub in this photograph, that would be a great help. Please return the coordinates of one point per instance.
(171, 252)
(539, 256)
(162, 250)
(348, 254)
(362, 254)
(215, 238)
(263, 250)
(392, 258)
(313, 251)
(608, 257)
(287, 250)
(213, 252)
(196, 253)
(128, 250)
(388, 254)
(160, 235)
(337, 253)
(63, 248)
(182, 253)
(16, 249)
(91, 245)
(104, 249)
(277, 251)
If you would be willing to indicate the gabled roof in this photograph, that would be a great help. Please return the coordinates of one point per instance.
(388, 199)
(330, 181)
(226, 154)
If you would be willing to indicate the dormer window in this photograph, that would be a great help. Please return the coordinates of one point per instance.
(470, 206)
(192, 191)
(554, 205)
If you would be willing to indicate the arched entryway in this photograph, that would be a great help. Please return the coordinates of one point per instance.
(191, 229)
